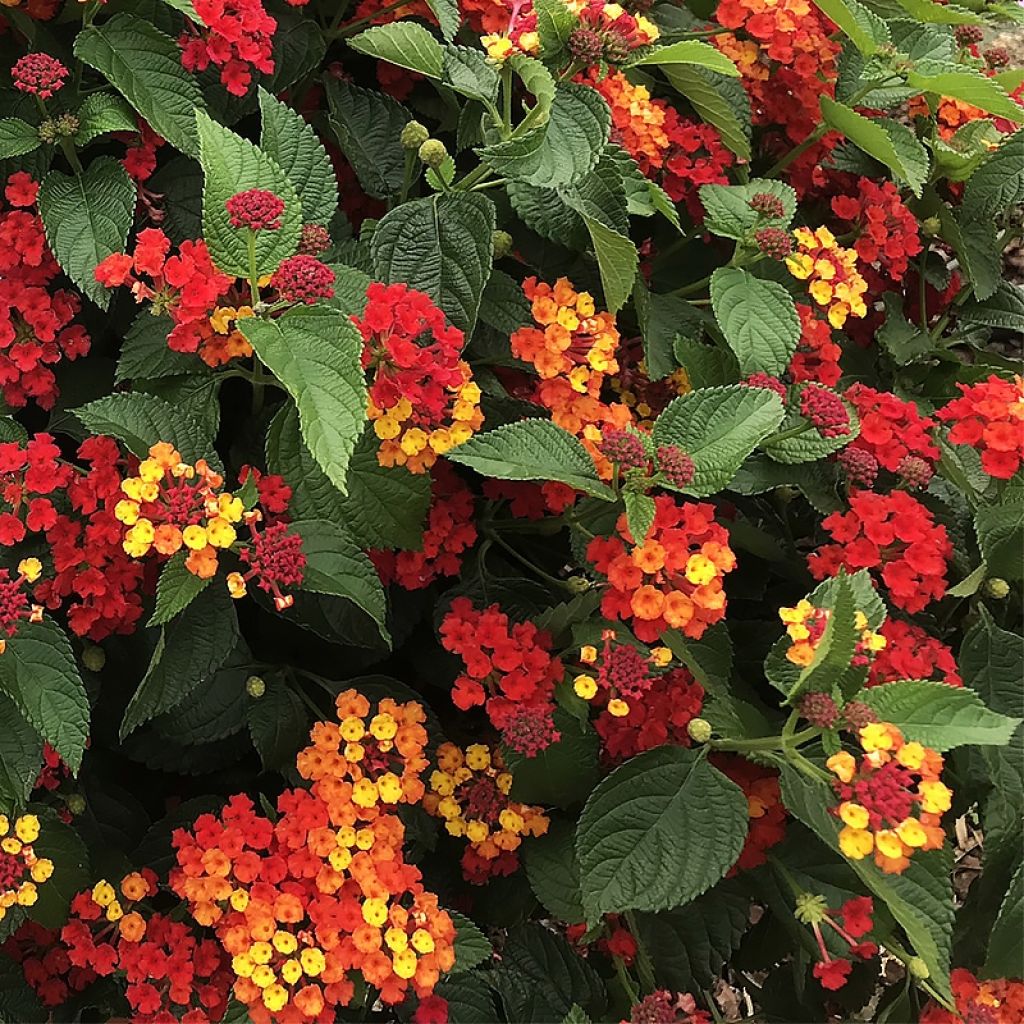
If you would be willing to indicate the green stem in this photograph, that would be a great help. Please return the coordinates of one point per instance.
(411, 161)
(506, 99)
(922, 295)
(643, 958)
(767, 742)
(354, 26)
(625, 981)
(527, 564)
(785, 435)
(797, 151)
(690, 289)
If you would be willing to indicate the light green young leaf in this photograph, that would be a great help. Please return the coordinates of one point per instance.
(87, 217)
(532, 450)
(808, 446)
(757, 317)
(144, 65)
(293, 145)
(555, 22)
(657, 832)
(866, 30)
(232, 164)
(939, 14)
(689, 51)
(718, 428)
(17, 137)
(314, 351)
(617, 261)
(406, 44)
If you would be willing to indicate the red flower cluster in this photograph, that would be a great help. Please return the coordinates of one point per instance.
(235, 36)
(507, 664)
(671, 581)
(825, 411)
(989, 416)
(38, 74)
(911, 653)
(894, 533)
(887, 232)
(36, 328)
(997, 1001)
(275, 559)
(255, 209)
(423, 400)
(816, 359)
(303, 278)
(527, 500)
(890, 429)
(45, 964)
(852, 922)
(449, 532)
(767, 826)
(664, 1007)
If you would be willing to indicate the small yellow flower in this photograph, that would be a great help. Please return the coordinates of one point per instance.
(30, 568)
(313, 960)
(585, 687)
(854, 815)
(856, 843)
(375, 911)
(617, 707)
(26, 828)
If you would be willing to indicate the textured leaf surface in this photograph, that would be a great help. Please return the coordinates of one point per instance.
(472, 947)
(1006, 944)
(728, 211)
(144, 65)
(278, 724)
(532, 450)
(39, 673)
(718, 428)
(719, 100)
(21, 754)
(87, 218)
(554, 871)
(404, 43)
(17, 137)
(657, 832)
(442, 246)
(314, 352)
(175, 590)
(962, 83)
(689, 51)
(101, 113)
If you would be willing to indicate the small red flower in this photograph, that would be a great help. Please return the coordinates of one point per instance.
(256, 209)
(39, 74)
(303, 278)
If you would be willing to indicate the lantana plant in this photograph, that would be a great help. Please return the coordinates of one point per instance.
(511, 511)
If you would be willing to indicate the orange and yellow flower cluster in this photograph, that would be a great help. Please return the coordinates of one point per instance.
(891, 800)
(835, 282)
(21, 871)
(805, 625)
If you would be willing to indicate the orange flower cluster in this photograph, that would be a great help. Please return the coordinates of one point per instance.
(20, 869)
(805, 625)
(880, 793)
(671, 581)
(469, 790)
(573, 348)
(996, 1001)
(302, 902)
(835, 282)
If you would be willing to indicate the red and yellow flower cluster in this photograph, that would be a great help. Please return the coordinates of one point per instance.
(674, 579)
(21, 870)
(234, 36)
(806, 624)
(880, 793)
(995, 1001)
(989, 416)
(423, 400)
(851, 922)
(469, 791)
(835, 283)
(911, 653)
(766, 826)
(892, 431)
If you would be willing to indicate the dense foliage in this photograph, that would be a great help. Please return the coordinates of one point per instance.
(511, 510)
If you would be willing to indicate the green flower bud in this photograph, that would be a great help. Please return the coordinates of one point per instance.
(931, 226)
(810, 908)
(67, 125)
(996, 588)
(502, 244)
(918, 968)
(578, 584)
(433, 153)
(94, 658)
(413, 135)
(76, 803)
(699, 730)
(48, 132)
(255, 687)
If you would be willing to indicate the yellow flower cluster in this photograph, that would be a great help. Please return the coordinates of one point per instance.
(880, 794)
(835, 282)
(172, 504)
(469, 790)
(805, 625)
(21, 869)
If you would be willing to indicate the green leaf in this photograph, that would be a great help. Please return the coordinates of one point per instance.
(900, 338)
(441, 245)
(990, 659)
(689, 946)
(469, 998)
(61, 844)
(145, 354)
(404, 43)
(564, 150)
(727, 207)
(144, 65)
(470, 74)
(292, 144)
(887, 141)
(176, 589)
(808, 446)
(689, 51)
(758, 318)
(190, 649)
(657, 832)
(561, 775)
(1000, 530)
(231, 165)
(939, 716)
(576, 1015)
(617, 261)
(665, 319)
(102, 113)
(921, 899)
(719, 100)
(21, 755)
(336, 565)
(278, 724)
(472, 947)
(448, 17)
(1006, 943)
(39, 673)
(554, 871)
(369, 128)
(709, 658)
(639, 514)
(87, 217)
(532, 450)
(718, 428)
(866, 31)
(1004, 309)
(140, 421)
(17, 137)
(958, 82)
(555, 22)
(503, 305)
(538, 81)
(939, 14)
(314, 351)
(834, 651)
(997, 184)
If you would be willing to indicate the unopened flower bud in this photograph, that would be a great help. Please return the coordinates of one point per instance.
(585, 45)
(931, 226)
(75, 804)
(433, 153)
(413, 135)
(67, 125)
(997, 57)
(578, 584)
(699, 730)
(996, 588)
(857, 714)
(255, 687)
(918, 968)
(502, 242)
(94, 658)
(775, 243)
(820, 710)
(915, 472)
(967, 35)
(768, 205)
